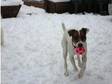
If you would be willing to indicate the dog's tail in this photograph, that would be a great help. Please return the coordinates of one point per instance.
(68, 38)
(63, 26)
(65, 32)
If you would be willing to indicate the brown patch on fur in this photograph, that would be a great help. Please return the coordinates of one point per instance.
(78, 35)
(83, 33)
(75, 35)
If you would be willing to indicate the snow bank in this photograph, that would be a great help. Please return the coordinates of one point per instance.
(11, 2)
(30, 10)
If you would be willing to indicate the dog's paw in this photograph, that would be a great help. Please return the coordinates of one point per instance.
(66, 74)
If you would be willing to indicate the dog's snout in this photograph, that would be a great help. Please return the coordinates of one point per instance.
(80, 45)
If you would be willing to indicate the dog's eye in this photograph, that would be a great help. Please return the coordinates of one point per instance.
(75, 40)
(83, 38)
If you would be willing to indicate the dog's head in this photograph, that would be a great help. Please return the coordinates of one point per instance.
(78, 37)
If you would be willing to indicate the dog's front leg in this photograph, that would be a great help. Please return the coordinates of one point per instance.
(73, 61)
(83, 66)
(79, 61)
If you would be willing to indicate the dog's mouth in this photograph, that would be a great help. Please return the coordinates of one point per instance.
(78, 49)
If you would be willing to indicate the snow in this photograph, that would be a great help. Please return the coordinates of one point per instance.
(11, 2)
(30, 10)
(32, 52)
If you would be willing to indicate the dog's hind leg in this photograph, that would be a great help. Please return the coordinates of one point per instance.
(71, 53)
(64, 46)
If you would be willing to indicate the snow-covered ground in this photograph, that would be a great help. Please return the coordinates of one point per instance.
(32, 53)
(10, 2)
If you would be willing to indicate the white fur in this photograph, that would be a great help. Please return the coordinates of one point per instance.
(67, 46)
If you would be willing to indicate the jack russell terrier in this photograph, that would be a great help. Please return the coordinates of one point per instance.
(74, 43)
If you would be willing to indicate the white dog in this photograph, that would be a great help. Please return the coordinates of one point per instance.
(74, 42)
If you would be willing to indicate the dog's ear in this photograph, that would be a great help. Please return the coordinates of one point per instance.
(73, 32)
(85, 30)
(83, 33)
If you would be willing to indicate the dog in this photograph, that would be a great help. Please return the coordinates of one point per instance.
(71, 42)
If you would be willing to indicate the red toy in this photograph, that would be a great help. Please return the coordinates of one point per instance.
(79, 51)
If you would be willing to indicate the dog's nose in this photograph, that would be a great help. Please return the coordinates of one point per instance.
(80, 45)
